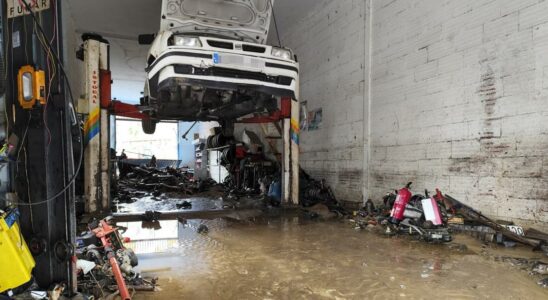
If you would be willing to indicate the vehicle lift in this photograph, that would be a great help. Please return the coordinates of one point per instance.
(98, 108)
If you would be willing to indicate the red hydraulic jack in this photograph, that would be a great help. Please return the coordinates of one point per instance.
(111, 239)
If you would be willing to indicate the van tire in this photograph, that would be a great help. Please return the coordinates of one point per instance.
(149, 126)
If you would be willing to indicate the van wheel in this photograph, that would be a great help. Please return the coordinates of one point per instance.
(149, 126)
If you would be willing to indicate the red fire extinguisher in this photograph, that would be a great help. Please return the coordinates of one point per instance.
(404, 195)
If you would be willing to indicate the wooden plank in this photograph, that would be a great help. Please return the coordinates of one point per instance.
(470, 214)
(536, 234)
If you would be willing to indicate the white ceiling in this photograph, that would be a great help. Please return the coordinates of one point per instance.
(116, 18)
(128, 18)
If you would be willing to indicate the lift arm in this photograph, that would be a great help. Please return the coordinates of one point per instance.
(119, 108)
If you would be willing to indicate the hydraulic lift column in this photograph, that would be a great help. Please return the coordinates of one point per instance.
(295, 134)
(290, 163)
(288, 114)
(96, 126)
(43, 157)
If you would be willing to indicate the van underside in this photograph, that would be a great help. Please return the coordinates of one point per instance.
(186, 99)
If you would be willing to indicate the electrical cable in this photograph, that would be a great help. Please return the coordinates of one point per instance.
(81, 138)
(51, 74)
(28, 189)
(25, 41)
(13, 83)
(275, 24)
(26, 163)
(97, 282)
(54, 71)
(23, 140)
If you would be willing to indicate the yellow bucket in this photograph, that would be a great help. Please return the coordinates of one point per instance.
(16, 262)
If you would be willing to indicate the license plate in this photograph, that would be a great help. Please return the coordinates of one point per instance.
(239, 60)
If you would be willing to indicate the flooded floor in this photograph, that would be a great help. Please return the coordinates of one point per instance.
(290, 258)
(171, 203)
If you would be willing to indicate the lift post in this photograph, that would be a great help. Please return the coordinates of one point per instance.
(96, 124)
(44, 160)
(295, 136)
(290, 164)
(289, 115)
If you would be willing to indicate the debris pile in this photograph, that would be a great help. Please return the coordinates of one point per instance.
(534, 267)
(436, 218)
(474, 221)
(105, 265)
(316, 196)
(139, 181)
(250, 170)
(417, 215)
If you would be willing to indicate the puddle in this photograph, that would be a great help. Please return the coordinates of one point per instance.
(163, 203)
(291, 258)
(168, 203)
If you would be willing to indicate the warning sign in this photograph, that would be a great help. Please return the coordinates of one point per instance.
(18, 8)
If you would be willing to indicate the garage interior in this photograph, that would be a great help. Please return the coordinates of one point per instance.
(406, 157)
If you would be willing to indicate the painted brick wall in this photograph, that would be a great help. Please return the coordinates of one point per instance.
(330, 43)
(459, 101)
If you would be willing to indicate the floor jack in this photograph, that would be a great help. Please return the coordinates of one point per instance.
(111, 241)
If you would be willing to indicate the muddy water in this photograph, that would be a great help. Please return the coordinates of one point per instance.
(151, 203)
(164, 203)
(287, 258)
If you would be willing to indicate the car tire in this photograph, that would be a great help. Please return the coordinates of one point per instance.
(149, 126)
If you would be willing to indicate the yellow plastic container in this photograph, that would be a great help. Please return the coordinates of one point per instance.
(16, 262)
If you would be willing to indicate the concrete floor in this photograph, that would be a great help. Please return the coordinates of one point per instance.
(288, 257)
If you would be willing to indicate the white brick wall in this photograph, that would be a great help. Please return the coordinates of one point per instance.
(467, 110)
(459, 99)
(330, 44)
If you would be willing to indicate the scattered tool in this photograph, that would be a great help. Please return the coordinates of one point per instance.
(189, 129)
(111, 241)
(470, 214)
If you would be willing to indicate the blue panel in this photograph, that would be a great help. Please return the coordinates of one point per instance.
(12, 217)
(186, 148)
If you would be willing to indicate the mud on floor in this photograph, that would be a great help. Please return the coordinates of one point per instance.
(288, 257)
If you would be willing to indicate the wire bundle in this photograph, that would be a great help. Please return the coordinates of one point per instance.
(54, 65)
